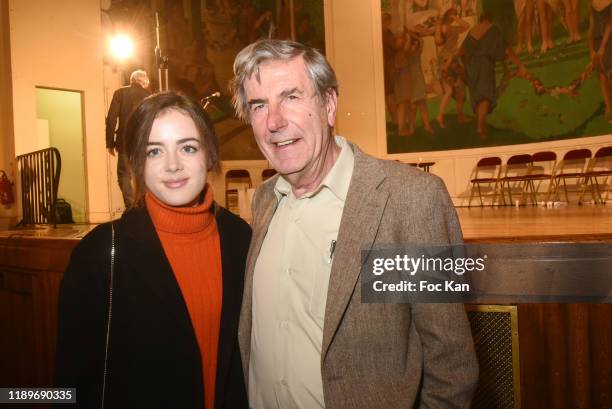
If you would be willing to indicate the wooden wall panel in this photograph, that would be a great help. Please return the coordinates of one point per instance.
(30, 274)
(565, 349)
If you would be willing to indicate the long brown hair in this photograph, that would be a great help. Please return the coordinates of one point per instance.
(139, 126)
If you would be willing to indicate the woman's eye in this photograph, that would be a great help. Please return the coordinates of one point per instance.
(292, 97)
(190, 149)
(256, 107)
(151, 153)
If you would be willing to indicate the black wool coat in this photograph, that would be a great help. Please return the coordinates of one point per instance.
(153, 356)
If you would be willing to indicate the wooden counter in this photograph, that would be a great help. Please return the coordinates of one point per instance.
(565, 349)
(30, 273)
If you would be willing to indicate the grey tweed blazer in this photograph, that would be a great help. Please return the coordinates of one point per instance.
(382, 355)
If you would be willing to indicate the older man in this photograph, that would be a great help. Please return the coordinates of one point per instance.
(125, 99)
(307, 340)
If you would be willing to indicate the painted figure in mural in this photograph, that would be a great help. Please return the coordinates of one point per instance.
(410, 90)
(448, 29)
(305, 32)
(283, 30)
(525, 13)
(247, 18)
(468, 8)
(572, 20)
(465, 8)
(546, 11)
(178, 34)
(419, 12)
(265, 27)
(600, 46)
(199, 70)
(481, 49)
(415, 6)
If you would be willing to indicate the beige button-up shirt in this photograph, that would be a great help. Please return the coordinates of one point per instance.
(290, 292)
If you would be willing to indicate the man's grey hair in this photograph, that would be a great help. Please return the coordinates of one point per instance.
(139, 77)
(248, 61)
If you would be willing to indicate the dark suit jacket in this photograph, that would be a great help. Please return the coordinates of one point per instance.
(125, 99)
(383, 356)
(154, 356)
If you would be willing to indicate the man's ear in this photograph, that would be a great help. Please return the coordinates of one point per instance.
(331, 106)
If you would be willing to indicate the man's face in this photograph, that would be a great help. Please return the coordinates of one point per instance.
(145, 83)
(291, 125)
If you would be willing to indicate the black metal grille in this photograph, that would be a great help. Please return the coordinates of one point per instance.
(40, 173)
(492, 332)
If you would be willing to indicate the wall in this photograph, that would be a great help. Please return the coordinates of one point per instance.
(59, 45)
(7, 150)
(354, 47)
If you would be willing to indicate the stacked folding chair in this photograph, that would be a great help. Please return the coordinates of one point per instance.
(485, 179)
(598, 177)
(571, 168)
(515, 178)
(542, 172)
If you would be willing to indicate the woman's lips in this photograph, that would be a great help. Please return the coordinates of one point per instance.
(175, 184)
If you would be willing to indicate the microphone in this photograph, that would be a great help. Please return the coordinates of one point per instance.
(211, 96)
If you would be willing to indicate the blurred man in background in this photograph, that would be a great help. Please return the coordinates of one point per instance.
(125, 99)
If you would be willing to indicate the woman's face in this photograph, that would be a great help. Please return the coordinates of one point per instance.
(175, 166)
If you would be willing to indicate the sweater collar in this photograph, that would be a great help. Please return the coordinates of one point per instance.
(181, 220)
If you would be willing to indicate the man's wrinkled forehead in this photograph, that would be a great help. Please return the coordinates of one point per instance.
(279, 64)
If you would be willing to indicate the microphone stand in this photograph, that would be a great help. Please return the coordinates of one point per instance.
(162, 60)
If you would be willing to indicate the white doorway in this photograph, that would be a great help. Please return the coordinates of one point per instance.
(59, 115)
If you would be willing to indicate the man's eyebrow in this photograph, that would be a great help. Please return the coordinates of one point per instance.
(294, 90)
(256, 101)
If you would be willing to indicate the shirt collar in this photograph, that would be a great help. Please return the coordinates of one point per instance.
(337, 180)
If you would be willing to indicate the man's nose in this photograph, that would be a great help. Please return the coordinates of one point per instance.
(276, 119)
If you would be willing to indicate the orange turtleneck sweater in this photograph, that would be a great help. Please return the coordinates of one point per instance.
(191, 242)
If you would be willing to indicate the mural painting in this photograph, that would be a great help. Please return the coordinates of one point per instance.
(474, 73)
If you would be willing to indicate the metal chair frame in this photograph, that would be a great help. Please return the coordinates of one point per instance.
(493, 164)
(577, 160)
(541, 176)
(516, 173)
(600, 166)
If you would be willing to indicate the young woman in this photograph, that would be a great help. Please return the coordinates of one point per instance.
(154, 324)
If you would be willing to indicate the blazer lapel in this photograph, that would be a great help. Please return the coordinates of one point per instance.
(363, 210)
(261, 220)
